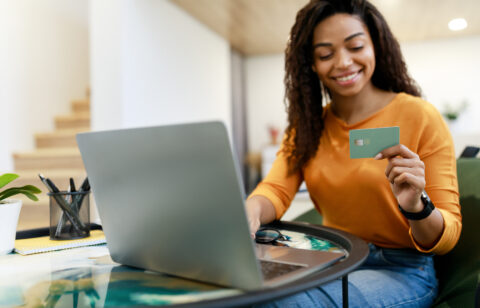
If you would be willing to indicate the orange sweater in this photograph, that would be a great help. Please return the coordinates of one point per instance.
(354, 194)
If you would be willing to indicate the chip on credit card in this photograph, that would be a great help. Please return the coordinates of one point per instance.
(366, 143)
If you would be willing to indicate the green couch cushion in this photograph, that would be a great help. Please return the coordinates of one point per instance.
(312, 216)
(459, 270)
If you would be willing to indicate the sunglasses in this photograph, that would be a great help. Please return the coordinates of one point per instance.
(270, 236)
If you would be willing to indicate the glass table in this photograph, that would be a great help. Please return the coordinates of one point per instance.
(87, 277)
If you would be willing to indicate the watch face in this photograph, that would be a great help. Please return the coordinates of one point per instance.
(425, 199)
(427, 202)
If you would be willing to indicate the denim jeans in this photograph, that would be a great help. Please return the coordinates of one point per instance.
(388, 278)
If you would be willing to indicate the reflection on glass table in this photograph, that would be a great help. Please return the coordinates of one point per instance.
(87, 276)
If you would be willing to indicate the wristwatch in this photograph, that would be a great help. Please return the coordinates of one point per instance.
(428, 207)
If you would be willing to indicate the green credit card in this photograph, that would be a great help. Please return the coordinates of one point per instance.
(365, 143)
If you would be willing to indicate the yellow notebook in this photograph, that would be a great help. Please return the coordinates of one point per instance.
(45, 244)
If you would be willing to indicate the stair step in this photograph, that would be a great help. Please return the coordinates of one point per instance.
(34, 214)
(80, 105)
(42, 159)
(73, 121)
(78, 128)
(61, 138)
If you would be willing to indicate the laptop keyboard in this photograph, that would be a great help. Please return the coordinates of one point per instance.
(274, 269)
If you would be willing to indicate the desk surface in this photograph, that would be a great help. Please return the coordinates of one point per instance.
(88, 277)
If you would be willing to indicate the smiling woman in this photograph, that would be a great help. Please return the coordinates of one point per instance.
(343, 71)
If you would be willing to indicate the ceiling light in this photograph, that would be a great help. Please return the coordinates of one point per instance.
(457, 24)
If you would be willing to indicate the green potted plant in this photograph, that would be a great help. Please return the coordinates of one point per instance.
(10, 210)
(451, 113)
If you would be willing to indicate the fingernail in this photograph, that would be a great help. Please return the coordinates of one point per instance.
(378, 156)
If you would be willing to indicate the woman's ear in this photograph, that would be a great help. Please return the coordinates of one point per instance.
(313, 68)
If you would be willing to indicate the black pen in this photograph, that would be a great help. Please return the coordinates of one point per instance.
(72, 185)
(79, 200)
(83, 188)
(69, 198)
(44, 181)
(85, 185)
(53, 187)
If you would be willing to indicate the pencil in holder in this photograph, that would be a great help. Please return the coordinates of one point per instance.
(69, 215)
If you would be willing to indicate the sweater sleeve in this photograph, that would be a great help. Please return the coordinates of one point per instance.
(436, 150)
(279, 187)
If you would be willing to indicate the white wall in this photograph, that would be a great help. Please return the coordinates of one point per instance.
(43, 65)
(447, 71)
(264, 95)
(163, 66)
(106, 31)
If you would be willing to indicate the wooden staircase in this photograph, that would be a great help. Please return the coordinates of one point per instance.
(57, 157)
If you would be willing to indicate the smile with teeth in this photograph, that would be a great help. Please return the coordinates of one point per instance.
(347, 78)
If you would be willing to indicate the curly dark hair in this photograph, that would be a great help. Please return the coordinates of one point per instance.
(303, 95)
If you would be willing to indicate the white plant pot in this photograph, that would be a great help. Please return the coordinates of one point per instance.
(9, 213)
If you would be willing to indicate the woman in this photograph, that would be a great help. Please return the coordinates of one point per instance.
(344, 71)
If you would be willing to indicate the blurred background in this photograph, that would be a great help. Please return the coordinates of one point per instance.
(68, 66)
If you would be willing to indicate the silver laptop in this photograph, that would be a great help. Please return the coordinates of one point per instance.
(170, 200)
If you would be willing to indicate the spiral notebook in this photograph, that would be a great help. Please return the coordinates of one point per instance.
(45, 244)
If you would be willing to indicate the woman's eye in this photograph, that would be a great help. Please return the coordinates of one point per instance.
(355, 48)
(325, 57)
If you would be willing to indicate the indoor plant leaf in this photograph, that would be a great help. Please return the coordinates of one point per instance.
(28, 190)
(7, 178)
(31, 188)
(14, 191)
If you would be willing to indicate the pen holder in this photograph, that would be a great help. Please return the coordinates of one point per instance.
(69, 215)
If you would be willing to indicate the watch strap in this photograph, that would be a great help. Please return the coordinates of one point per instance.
(428, 207)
